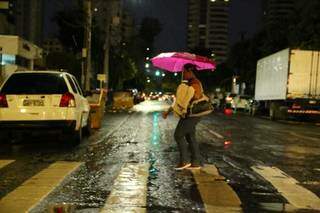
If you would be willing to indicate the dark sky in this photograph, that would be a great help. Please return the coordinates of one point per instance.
(173, 17)
(245, 17)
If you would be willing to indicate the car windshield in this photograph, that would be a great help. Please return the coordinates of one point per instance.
(35, 83)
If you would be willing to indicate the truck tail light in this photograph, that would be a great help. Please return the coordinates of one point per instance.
(3, 101)
(67, 100)
(296, 106)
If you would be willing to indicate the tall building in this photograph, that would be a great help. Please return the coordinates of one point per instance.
(29, 20)
(208, 23)
(275, 10)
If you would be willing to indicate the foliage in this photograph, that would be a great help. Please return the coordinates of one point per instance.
(150, 28)
(300, 30)
(122, 68)
(70, 23)
(65, 61)
(136, 49)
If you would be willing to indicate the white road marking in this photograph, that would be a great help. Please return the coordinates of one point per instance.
(304, 137)
(216, 134)
(216, 194)
(129, 192)
(32, 191)
(289, 188)
(4, 163)
(212, 132)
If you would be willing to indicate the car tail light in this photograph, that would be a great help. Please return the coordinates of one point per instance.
(3, 101)
(67, 100)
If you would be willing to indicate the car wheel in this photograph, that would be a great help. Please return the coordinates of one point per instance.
(87, 130)
(76, 137)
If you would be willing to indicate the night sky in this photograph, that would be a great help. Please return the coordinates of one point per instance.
(245, 17)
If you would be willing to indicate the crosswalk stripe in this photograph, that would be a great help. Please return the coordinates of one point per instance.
(4, 163)
(216, 194)
(129, 192)
(289, 188)
(32, 191)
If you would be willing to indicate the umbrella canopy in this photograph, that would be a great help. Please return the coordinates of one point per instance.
(174, 61)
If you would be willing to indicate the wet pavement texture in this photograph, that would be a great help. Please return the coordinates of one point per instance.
(234, 144)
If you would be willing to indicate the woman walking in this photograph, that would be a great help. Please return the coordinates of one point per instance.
(188, 91)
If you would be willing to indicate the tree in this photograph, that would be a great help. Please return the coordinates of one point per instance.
(70, 23)
(150, 28)
(65, 61)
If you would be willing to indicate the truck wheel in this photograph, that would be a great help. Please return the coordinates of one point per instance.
(274, 111)
(283, 112)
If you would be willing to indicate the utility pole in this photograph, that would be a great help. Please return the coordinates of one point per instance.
(87, 44)
(107, 42)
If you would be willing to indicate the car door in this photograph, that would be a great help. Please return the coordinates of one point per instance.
(85, 107)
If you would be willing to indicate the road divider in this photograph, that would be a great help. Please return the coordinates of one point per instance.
(216, 194)
(34, 190)
(289, 188)
(4, 163)
(129, 192)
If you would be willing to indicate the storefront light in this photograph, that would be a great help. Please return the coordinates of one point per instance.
(8, 59)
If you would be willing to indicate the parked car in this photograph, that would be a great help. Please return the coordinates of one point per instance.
(123, 100)
(43, 101)
(214, 99)
(241, 102)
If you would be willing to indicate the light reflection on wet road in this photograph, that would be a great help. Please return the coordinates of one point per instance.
(233, 144)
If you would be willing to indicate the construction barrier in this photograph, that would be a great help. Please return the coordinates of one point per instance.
(97, 108)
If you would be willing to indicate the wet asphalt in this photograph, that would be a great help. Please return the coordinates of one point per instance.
(232, 143)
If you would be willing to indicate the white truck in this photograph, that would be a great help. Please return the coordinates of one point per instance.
(288, 83)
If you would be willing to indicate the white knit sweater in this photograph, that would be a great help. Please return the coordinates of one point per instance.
(183, 97)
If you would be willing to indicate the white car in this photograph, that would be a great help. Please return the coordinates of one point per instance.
(43, 100)
(239, 101)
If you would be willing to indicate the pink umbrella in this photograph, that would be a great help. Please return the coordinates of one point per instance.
(174, 61)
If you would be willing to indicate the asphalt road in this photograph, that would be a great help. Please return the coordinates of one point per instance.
(265, 165)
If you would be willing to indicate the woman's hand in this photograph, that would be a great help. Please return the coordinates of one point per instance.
(165, 114)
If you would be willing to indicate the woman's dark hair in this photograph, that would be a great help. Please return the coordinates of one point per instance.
(189, 66)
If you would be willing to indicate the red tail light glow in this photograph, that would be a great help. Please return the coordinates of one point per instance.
(296, 106)
(67, 100)
(3, 101)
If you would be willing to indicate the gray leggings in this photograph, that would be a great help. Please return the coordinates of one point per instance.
(186, 140)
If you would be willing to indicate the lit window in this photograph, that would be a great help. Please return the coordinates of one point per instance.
(8, 59)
